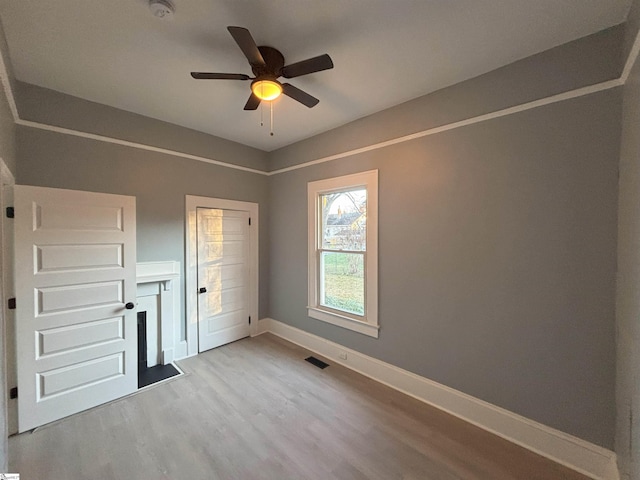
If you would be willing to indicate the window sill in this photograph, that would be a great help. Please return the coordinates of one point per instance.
(344, 321)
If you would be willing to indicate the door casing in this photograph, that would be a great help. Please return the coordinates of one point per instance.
(191, 262)
(8, 371)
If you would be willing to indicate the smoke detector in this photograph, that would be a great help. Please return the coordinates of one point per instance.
(161, 8)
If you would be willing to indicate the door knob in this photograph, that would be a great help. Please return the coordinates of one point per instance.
(130, 306)
(202, 290)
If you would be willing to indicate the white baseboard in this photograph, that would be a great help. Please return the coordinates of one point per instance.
(167, 356)
(584, 457)
(181, 350)
(263, 326)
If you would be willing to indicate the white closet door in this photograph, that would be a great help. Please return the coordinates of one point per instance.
(223, 276)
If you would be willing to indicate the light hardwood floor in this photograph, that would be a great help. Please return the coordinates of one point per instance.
(255, 409)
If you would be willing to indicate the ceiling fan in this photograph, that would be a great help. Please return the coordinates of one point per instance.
(267, 65)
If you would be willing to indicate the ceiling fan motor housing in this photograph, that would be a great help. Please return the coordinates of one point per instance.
(274, 61)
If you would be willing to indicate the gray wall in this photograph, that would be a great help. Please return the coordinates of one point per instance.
(628, 301)
(159, 183)
(497, 253)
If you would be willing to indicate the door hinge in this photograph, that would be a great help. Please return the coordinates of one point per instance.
(249, 320)
(249, 220)
(11, 304)
(11, 213)
(13, 393)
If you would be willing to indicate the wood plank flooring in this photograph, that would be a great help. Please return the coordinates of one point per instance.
(255, 409)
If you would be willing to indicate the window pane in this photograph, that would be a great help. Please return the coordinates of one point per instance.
(344, 220)
(342, 281)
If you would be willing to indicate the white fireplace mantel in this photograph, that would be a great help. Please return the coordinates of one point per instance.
(166, 275)
(151, 272)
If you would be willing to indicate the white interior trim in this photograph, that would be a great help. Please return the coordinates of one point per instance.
(367, 325)
(462, 123)
(584, 457)
(141, 146)
(7, 290)
(191, 268)
(633, 55)
(147, 272)
(344, 321)
(631, 59)
(406, 138)
(264, 324)
(6, 86)
(6, 177)
(167, 276)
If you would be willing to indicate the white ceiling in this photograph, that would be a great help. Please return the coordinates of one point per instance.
(385, 52)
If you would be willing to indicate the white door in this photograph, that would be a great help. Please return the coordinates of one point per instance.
(76, 321)
(223, 276)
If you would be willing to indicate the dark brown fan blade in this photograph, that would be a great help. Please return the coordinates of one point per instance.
(252, 103)
(219, 76)
(299, 95)
(247, 44)
(311, 65)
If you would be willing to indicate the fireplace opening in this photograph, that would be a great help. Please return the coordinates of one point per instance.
(149, 375)
(142, 341)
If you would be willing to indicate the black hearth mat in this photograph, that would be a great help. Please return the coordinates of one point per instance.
(155, 374)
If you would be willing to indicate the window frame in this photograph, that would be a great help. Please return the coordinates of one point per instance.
(367, 324)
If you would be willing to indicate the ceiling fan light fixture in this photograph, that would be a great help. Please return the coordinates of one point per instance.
(266, 90)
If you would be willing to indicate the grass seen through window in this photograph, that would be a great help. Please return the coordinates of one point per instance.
(343, 281)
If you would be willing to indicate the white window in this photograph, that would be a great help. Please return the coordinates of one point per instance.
(343, 251)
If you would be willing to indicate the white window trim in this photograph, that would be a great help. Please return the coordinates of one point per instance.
(369, 326)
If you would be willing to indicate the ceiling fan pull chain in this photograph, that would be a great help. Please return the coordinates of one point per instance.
(261, 109)
(271, 103)
(261, 117)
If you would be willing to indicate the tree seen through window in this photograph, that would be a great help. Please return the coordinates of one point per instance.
(343, 245)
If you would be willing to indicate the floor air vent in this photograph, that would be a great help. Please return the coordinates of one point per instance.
(316, 362)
